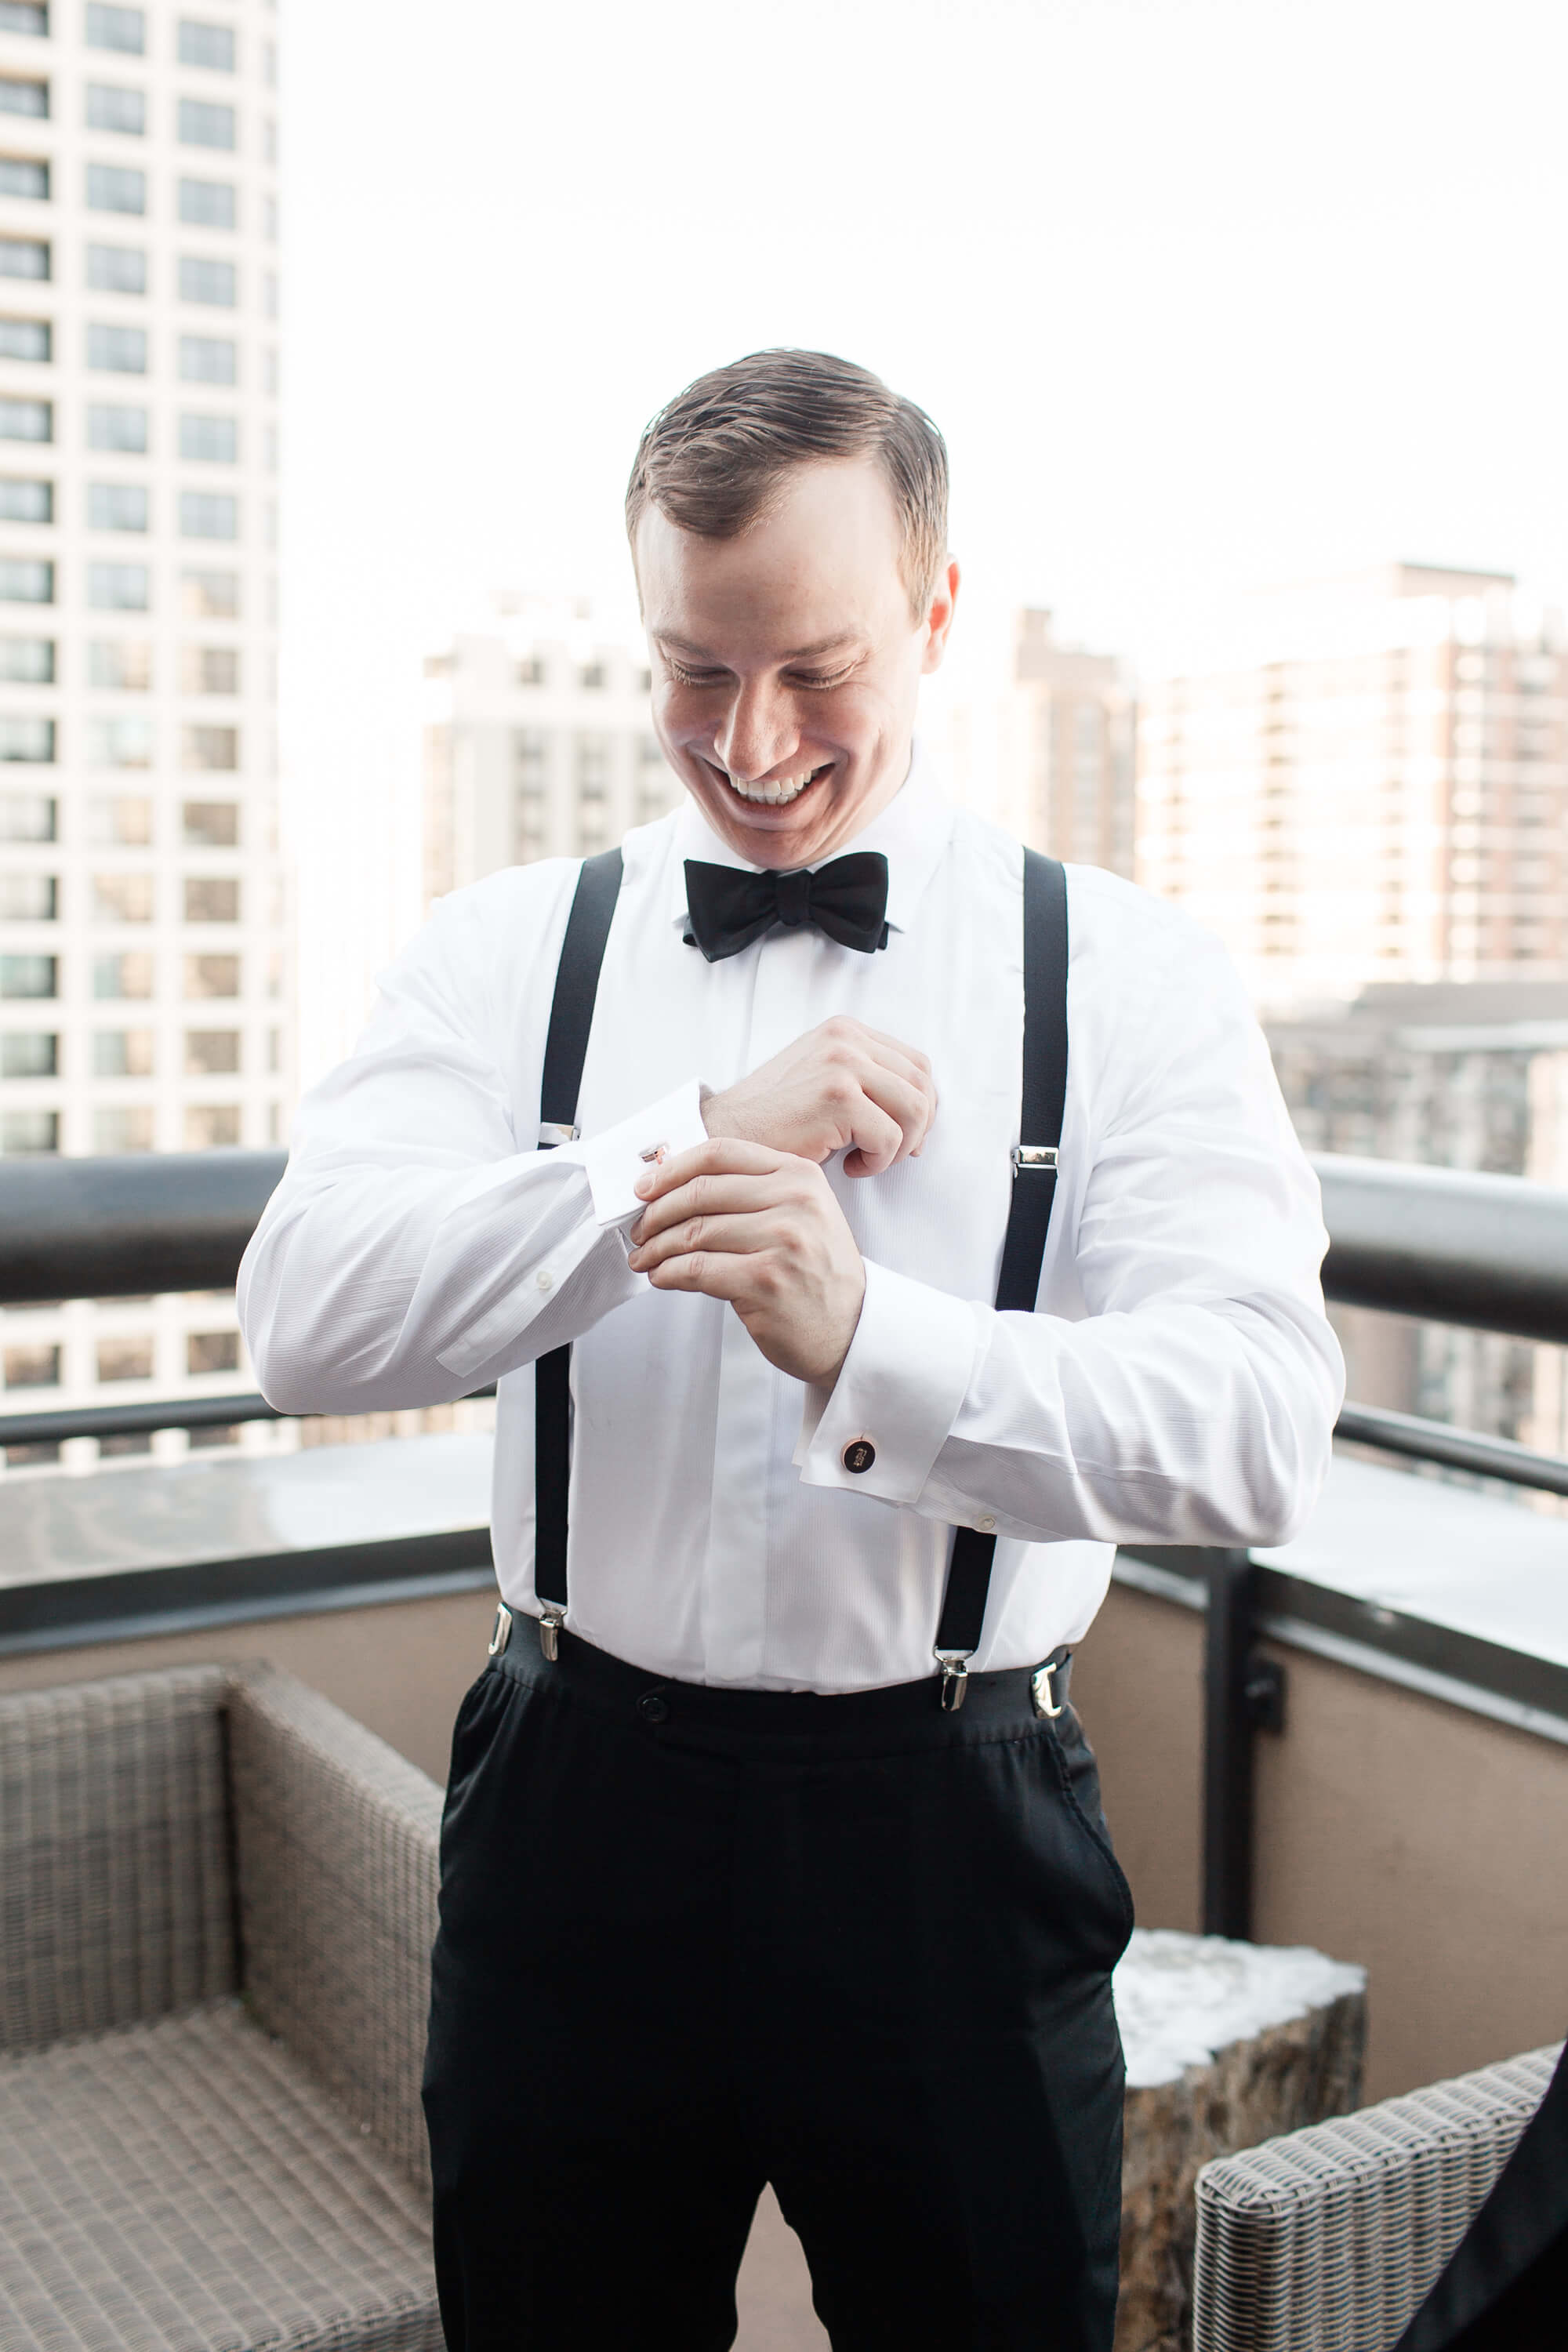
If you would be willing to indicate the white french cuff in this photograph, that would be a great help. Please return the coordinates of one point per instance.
(897, 1395)
(615, 1158)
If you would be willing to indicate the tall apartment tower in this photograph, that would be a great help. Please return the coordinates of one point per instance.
(1049, 752)
(142, 929)
(1377, 794)
(536, 742)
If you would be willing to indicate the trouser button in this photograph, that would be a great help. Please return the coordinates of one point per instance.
(653, 1707)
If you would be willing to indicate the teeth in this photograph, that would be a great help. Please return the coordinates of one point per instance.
(773, 794)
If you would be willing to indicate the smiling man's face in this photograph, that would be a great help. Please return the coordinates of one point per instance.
(786, 664)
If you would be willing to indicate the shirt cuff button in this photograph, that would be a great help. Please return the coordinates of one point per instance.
(544, 1278)
(859, 1454)
(985, 1525)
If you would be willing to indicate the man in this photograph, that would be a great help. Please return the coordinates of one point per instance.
(771, 1851)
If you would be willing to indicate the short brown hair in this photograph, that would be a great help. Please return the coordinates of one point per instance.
(715, 459)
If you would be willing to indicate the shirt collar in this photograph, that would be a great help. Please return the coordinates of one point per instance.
(911, 833)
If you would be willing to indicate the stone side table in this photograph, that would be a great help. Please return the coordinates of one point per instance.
(1227, 2044)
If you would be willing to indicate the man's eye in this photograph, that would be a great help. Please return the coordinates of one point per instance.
(836, 678)
(692, 677)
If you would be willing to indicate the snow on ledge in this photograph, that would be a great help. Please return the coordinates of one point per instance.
(1179, 2000)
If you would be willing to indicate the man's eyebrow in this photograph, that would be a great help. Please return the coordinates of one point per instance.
(836, 644)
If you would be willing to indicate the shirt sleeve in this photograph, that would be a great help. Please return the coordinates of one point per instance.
(413, 1251)
(1192, 1399)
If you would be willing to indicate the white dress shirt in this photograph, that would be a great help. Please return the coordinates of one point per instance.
(1177, 1384)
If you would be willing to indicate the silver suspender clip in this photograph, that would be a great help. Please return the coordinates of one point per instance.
(1042, 1688)
(549, 1136)
(552, 1617)
(1034, 1155)
(955, 1665)
(501, 1635)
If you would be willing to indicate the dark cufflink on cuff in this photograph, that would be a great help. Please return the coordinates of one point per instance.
(859, 1454)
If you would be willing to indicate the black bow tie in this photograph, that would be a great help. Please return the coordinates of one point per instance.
(846, 898)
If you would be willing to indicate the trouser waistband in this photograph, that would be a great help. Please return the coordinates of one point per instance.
(1013, 1700)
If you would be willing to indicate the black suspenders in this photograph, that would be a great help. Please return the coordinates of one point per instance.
(1043, 1097)
(1043, 1100)
(565, 1047)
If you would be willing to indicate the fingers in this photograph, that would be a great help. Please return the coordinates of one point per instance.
(720, 1155)
(704, 1196)
(906, 1113)
(716, 1236)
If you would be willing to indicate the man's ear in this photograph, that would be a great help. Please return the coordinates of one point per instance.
(938, 616)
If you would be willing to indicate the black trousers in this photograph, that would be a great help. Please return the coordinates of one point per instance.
(694, 1940)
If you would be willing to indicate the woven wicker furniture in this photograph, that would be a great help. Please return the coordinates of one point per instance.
(1327, 2240)
(218, 1898)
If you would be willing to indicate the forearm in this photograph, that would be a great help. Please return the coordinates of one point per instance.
(1183, 1422)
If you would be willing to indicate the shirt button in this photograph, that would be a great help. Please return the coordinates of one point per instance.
(986, 1524)
(544, 1278)
(653, 1707)
(859, 1454)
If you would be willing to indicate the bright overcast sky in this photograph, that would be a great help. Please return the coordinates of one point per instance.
(1201, 294)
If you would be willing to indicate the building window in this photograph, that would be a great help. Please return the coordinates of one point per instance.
(209, 669)
(212, 1126)
(211, 45)
(28, 816)
(116, 188)
(112, 427)
(208, 204)
(25, 501)
(120, 665)
(28, 1130)
(210, 748)
(26, 739)
(122, 898)
(122, 1054)
(25, 256)
(116, 268)
(212, 1053)
(118, 587)
(26, 338)
(110, 107)
(25, 175)
(209, 514)
(122, 1126)
(212, 898)
(27, 420)
(17, 97)
(29, 1054)
(210, 824)
(211, 976)
(118, 742)
(591, 677)
(32, 978)
(127, 976)
(126, 1359)
(208, 359)
(203, 124)
(210, 595)
(27, 661)
(117, 506)
(124, 30)
(212, 1352)
(26, 583)
(24, 16)
(203, 279)
(117, 820)
(35, 1366)
(29, 898)
(116, 350)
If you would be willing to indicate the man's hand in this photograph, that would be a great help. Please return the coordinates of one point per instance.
(761, 1228)
(840, 1085)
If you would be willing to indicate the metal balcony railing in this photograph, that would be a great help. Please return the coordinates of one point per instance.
(1487, 1251)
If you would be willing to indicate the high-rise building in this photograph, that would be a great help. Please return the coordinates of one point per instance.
(538, 741)
(1046, 751)
(1374, 789)
(143, 994)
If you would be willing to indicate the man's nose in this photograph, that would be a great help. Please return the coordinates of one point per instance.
(759, 731)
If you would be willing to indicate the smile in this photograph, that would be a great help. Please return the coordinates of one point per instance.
(773, 792)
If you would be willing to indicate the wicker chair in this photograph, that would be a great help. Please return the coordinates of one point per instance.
(1327, 2238)
(217, 1897)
